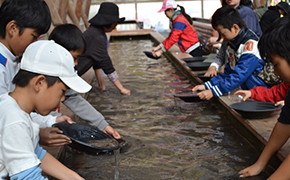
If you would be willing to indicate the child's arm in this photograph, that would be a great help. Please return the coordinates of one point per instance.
(278, 138)
(86, 111)
(54, 168)
(219, 60)
(274, 94)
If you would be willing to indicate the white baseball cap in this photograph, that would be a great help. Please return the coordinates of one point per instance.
(49, 58)
(168, 4)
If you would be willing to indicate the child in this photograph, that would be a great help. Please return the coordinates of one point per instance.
(244, 59)
(70, 37)
(183, 32)
(96, 55)
(251, 21)
(275, 94)
(46, 72)
(274, 46)
(21, 23)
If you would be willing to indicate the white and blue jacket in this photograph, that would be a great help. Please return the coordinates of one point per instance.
(244, 64)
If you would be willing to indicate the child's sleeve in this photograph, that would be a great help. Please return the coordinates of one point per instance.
(221, 57)
(235, 78)
(84, 109)
(274, 94)
(3, 77)
(174, 35)
(43, 121)
(31, 173)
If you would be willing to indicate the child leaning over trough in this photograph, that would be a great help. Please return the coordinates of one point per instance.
(183, 32)
(275, 47)
(70, 37)
(46, 72)
(244, 61)
(21, 23)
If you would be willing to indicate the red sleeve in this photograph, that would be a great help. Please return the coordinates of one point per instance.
(274, 94)
(172, 38)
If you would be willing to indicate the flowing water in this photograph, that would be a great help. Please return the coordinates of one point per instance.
(167, 138)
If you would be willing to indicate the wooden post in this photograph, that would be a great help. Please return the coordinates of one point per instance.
(63, 9)
(78, 8)
(73, 17)
(54, 13)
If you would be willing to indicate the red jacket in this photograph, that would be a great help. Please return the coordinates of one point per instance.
(182, 33)
(274, 94)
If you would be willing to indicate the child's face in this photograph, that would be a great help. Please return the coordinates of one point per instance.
(233, 3)
(19, 43)
(227, 34)
(169, 13)
(76, 54)
(49, 99)
(281, 67)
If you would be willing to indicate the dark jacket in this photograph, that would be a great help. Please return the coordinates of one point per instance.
(96, 54)
(269, 16)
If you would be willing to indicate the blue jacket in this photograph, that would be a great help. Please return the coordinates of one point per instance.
(243, 66)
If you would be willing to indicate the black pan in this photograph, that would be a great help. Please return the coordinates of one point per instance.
(202, 77)
(198, 66)
(255, 109)
(88, 139)
(188, 96)
(150, 55)
(194, 59)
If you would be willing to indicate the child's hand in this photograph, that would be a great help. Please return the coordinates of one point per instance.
(280, 103)
(246, 93)
(52, 136)
(125, 91)
(200, 87)
(112, 132)
(251, 171)
(205, 95)
(211, 71)
(64, 119)
(157, 53)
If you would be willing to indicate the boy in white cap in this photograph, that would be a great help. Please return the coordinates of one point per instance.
(46, 72)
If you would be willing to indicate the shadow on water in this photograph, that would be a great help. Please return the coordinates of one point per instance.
(166, 139)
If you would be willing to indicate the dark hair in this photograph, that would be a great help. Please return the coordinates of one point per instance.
(27, 14)
(242, 2)
(182, 10)
(23, 77)
(227, 17)
(69, 36)
(276, 40)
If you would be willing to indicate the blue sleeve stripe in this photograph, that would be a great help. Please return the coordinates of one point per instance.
(179, 26)
(216, 91)
(3, 60)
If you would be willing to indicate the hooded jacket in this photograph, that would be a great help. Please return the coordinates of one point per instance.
(244, 64)
(182, 33)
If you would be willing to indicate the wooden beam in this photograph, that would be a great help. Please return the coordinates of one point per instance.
(63, 9)
(54, 13)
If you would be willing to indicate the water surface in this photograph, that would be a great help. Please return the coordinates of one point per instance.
(167, 139)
